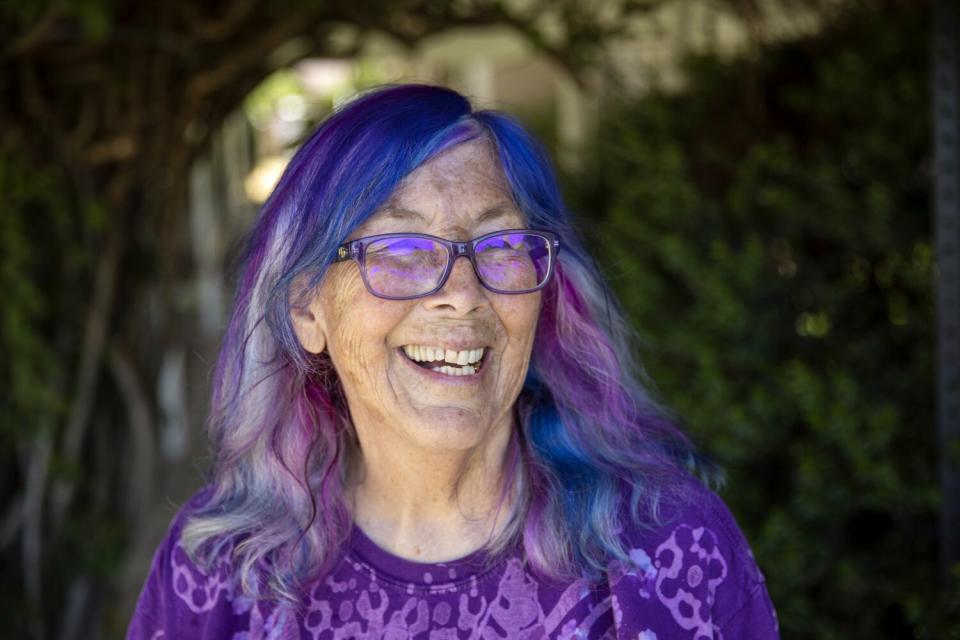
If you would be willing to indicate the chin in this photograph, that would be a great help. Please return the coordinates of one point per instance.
(449, 429)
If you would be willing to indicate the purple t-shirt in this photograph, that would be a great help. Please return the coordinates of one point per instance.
(692, 578)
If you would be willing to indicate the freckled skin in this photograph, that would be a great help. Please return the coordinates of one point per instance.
(363, 332)
(418, 435)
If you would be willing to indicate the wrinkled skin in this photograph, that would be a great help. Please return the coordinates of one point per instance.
(416, 432)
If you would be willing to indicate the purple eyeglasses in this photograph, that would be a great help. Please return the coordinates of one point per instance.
(404, 266)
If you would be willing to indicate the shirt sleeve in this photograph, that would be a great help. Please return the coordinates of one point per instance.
(181, 600)
(742, 607)
(147, 621)
(694, 577)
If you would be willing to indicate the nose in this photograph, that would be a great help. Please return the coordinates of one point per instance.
(462, 291)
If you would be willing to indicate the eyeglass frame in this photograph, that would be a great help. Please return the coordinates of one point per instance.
(355, 250)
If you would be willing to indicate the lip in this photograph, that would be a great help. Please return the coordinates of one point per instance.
(442, 377)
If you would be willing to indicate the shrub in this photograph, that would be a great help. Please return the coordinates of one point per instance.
(768, 229)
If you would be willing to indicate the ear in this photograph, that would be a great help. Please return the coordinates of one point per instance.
(307, 321)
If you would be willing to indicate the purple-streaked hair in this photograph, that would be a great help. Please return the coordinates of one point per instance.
(592, 445)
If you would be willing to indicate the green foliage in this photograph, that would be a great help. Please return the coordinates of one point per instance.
(262, 101)
(93, 18)
(45, 265)
(768, 230)
(29, 382)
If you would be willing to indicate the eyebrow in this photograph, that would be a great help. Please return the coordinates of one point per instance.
(400, 213)
(496, 211)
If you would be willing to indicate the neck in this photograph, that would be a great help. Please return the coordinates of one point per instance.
(429, 506)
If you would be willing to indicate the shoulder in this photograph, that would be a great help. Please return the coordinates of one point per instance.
(174, 565)
(198, 585)
(194, 503)
(694, 567)
(699, 530)
(181, 594)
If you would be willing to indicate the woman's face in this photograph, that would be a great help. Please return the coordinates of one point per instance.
(459, 195)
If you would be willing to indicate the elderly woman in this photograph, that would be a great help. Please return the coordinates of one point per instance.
(426, 421)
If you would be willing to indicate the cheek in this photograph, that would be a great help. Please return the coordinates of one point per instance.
(350, 357)
(519, 322)
(520, 317)
(358, 324)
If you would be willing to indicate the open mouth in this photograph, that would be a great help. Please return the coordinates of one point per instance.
(466, 362)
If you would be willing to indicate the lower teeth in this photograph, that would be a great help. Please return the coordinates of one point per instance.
(465, 370)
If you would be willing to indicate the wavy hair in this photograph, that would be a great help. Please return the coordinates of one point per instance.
(591, 442)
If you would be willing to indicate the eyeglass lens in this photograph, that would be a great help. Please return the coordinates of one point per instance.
(409, 266)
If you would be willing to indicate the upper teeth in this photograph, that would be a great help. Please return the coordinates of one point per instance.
(431, 354)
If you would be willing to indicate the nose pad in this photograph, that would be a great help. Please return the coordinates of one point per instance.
(463, 288)
(466, 271)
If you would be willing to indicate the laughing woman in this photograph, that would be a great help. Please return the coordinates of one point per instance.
(426, 422)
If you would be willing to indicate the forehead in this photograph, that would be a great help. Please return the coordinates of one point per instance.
(463, 189)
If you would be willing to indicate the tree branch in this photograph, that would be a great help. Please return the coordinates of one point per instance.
(38, 466)
(221, 29)
(33, 38)
(98, 317)
(139, 490)
(239, 63)
(11, 522)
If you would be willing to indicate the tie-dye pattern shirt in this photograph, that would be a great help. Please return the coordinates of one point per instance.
(693, 578)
